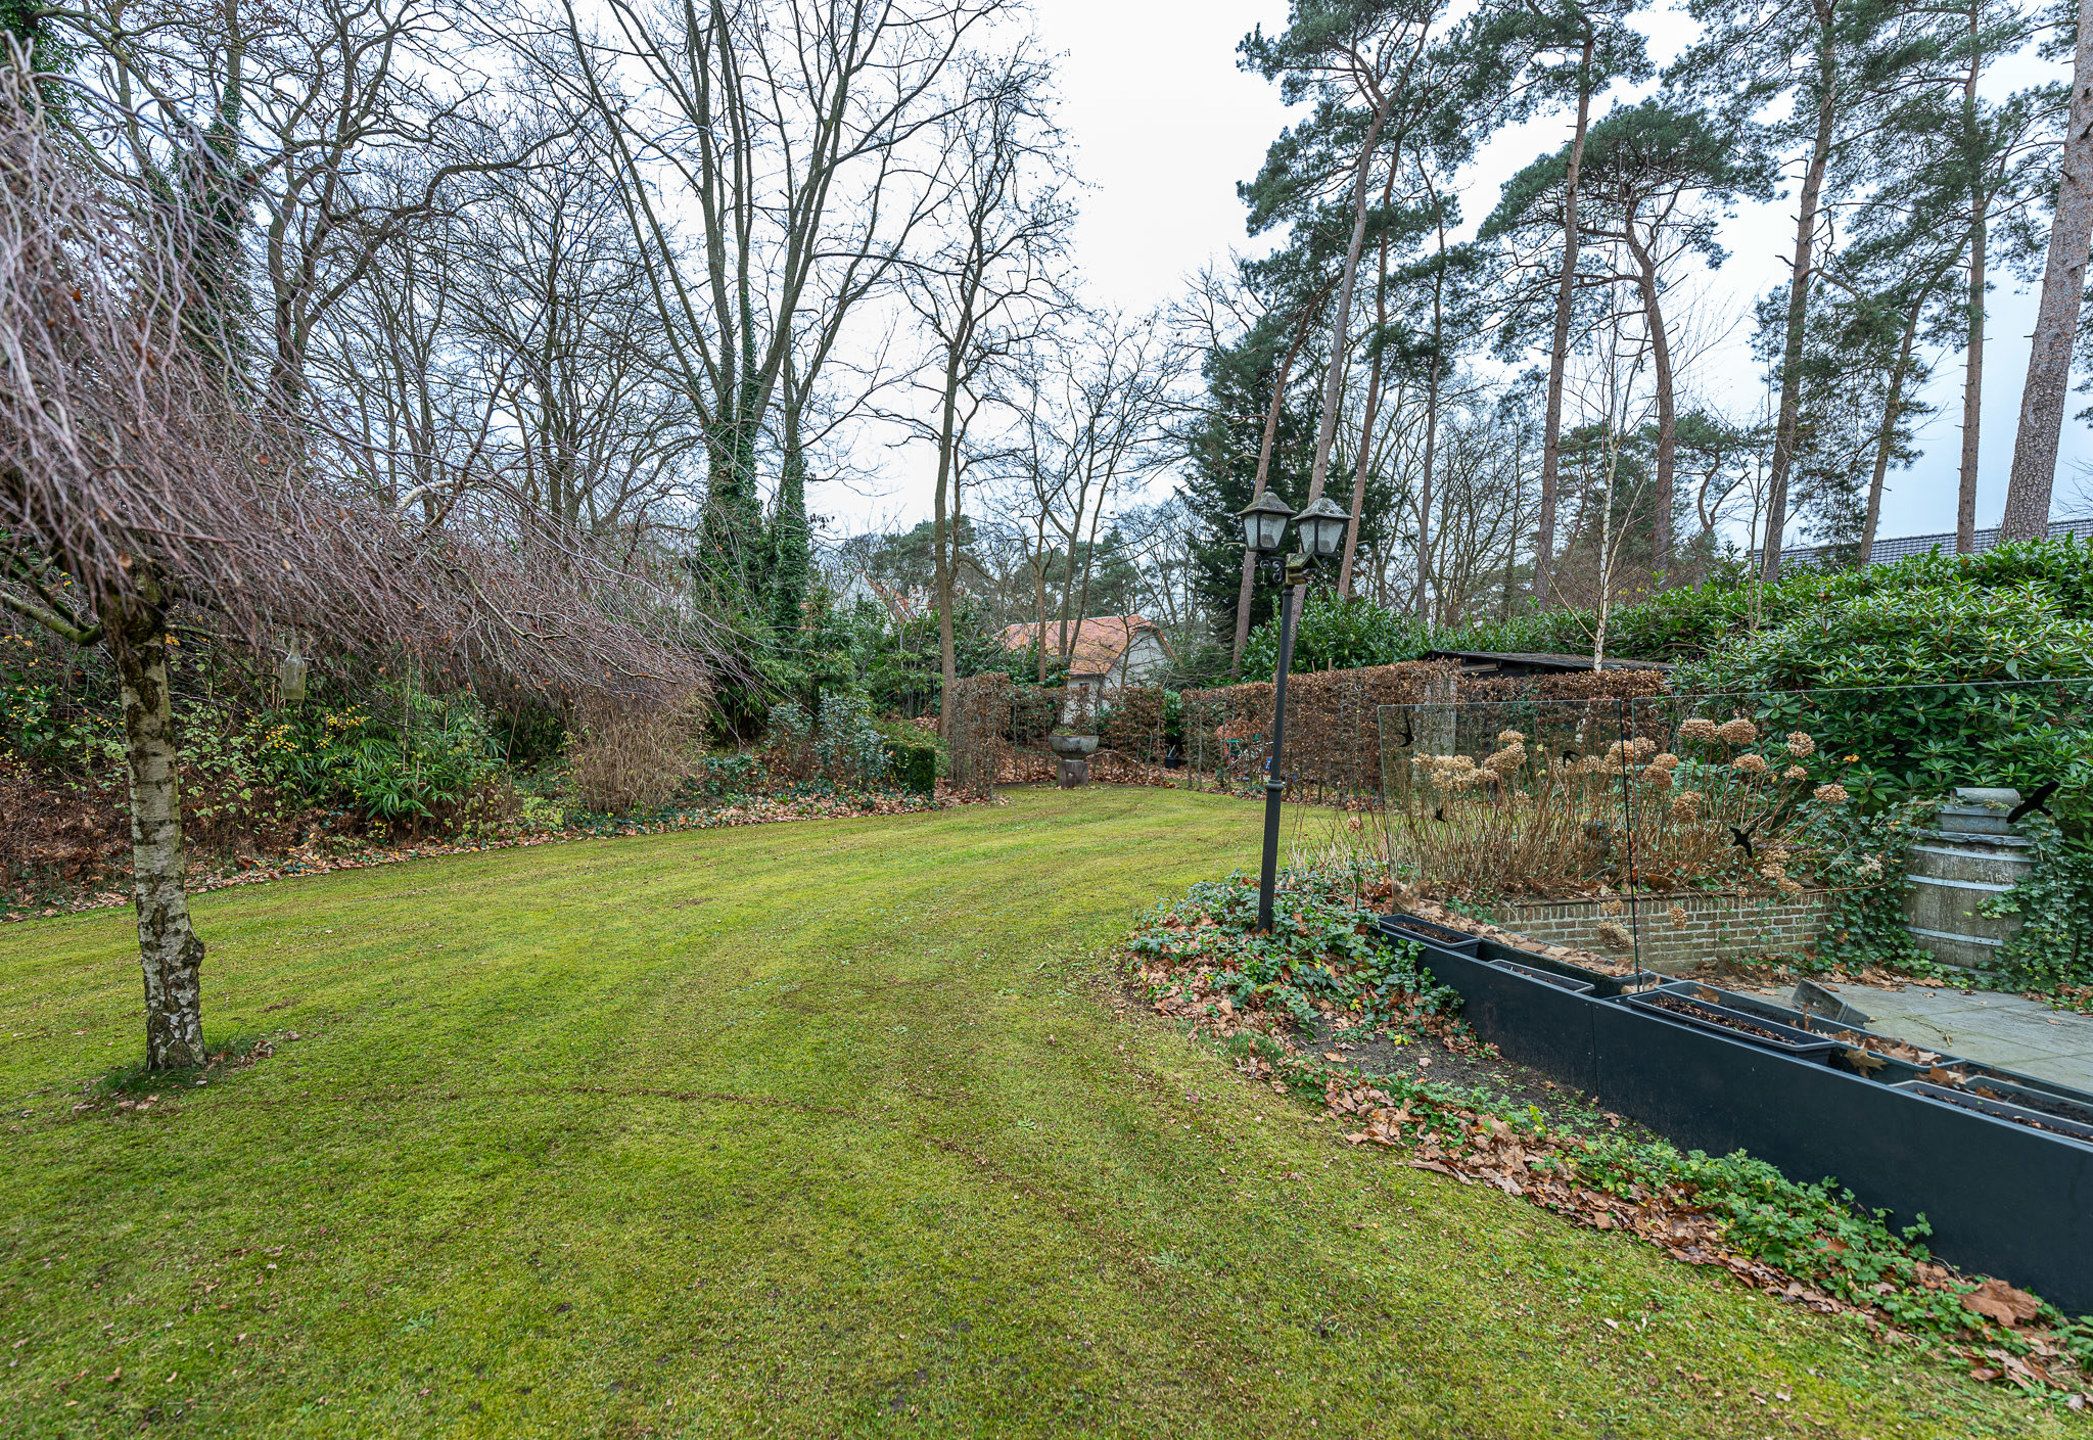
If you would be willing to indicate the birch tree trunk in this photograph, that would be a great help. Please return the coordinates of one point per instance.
(2056, 320)
(136, 635)
(1559, 342)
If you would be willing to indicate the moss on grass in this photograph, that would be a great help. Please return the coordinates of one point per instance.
(801, 1129)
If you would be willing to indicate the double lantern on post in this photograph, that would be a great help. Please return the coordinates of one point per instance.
(1322, 526)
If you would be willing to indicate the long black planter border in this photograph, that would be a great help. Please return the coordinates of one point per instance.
(2000, 1198)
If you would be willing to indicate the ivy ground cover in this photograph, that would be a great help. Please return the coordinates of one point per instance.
(819, 1129)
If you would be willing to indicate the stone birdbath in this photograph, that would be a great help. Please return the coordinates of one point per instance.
(1074, 740)
(1074, 751)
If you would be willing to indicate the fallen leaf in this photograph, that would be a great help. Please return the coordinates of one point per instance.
(1996, 1300)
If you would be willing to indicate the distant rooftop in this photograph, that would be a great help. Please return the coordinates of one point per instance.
(1505, 663)
(1898, 547)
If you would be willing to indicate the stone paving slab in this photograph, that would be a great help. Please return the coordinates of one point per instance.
(2007, 1030)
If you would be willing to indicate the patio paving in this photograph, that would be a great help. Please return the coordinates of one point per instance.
(2008, 1030)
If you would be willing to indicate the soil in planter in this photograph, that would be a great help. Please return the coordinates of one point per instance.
(1703, 1015)
(2000, 1108)
(2073, 1112)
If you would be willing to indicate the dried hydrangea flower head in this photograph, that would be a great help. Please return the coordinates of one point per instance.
(1664, 760)
(1504, 762)
(1510, 737)
(1800, 745)
(1795, 772)
(1748, 763)
(1737, 732)
(1831, 794)
(1685, 804)
(1623, 753)
(1698, 728)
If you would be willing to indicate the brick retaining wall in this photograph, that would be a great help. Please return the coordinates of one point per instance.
(1679, 932)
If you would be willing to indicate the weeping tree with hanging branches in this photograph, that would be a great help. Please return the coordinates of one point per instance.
(145, 487)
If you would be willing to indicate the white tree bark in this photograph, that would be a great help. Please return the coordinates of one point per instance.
(168, 949)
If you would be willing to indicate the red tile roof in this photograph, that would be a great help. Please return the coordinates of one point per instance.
(1100, 641)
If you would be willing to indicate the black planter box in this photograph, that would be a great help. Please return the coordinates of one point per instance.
(2001, 1198)
(2010, 1085)
(2004, 1102)
(1686, 1002)
(1602, 984)
(1538, 1022)
(1409, 927)
(1571, 983)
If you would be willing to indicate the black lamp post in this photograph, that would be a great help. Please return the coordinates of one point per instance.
(1264, 531)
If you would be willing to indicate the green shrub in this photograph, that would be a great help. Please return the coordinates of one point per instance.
(1322, 946)
(2054, 945)
(1896, 680)
(1691, 622)
(912, 758)
(729, 774)
(416, 757)
(847, 742)
(1334, 634)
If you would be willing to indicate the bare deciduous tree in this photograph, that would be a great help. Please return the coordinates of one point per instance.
(141, 480)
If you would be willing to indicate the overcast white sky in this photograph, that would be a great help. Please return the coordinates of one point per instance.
(1165, 124)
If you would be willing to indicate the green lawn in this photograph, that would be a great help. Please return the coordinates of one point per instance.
(803, 1129)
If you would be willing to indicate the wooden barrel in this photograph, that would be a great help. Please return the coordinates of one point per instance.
(1971, 855)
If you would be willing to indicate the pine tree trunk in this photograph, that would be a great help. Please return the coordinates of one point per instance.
(1973, 362)
(1419, 595)
(1264, 470)
(136, 634)
(1341, 322)
(1972, 397)
(1421, 598)
(1363, 464)
(1559, 341)
(1789, 421)
(2056, 320)
(1886, 439)
(1666, 499)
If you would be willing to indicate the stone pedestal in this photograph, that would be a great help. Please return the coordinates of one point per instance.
(1075, 770)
